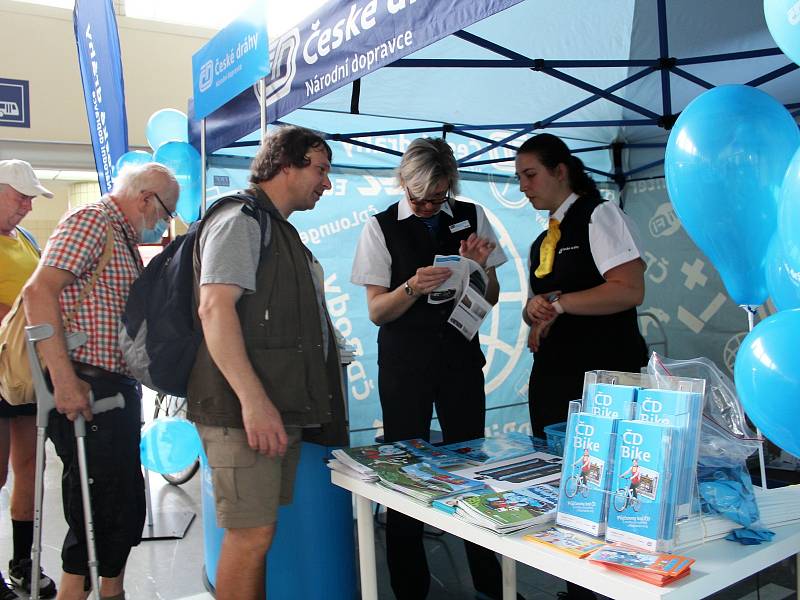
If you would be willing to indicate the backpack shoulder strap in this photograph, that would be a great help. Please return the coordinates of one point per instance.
(105, 258)
(250, 207)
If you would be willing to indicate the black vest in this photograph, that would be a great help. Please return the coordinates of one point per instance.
(282, 334)
(579, 343)
(422, 334)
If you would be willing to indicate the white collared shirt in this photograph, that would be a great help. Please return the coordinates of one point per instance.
(372, 264)
(613, 237)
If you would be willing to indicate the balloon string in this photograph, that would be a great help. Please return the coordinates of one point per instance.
(762, 465)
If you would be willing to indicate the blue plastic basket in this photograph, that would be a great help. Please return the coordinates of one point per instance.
(555, 437)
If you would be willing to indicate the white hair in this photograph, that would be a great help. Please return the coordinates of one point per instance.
(134, 178)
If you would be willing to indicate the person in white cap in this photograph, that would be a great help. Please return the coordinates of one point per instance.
(19, 255)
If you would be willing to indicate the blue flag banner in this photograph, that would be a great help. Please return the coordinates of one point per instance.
(103, 87)
(231, 61)
(333, 47)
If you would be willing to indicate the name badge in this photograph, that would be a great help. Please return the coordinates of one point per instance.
(459, 226)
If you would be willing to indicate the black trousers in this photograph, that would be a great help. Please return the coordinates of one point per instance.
(408, 395)
(116, 483)
(549, 395)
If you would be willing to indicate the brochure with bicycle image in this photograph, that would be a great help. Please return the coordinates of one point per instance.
(641, 511)
(588, 450)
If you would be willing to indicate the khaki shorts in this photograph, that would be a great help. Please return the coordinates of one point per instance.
(248, 486)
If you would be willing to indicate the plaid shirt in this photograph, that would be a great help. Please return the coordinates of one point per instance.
(76, 246)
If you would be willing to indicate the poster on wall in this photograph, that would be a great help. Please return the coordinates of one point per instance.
(14, 103)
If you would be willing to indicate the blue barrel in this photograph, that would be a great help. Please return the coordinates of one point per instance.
(315, 535)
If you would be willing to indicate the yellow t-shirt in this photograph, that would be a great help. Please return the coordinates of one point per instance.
(18, 259)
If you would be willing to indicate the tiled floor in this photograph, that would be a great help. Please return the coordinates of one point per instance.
(172, 569)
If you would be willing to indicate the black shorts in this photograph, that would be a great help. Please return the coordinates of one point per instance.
(9, 411)
(116, 482)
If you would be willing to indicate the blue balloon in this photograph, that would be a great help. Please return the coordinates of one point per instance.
(783, 22)
(767, 375)
(783, 278)
(725, 161)
(184, 160)
(169, 445)
(789, 213)
(166, 125)
(134, 157)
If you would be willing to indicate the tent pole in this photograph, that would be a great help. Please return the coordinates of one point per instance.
(663, 47)
(262, 102)
(202, 166)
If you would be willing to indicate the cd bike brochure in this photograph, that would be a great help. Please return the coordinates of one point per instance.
(683, 411)
(610, 400)
(585, 475)
(641, 508)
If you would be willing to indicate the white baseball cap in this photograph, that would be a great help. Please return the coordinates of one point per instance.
(19, 175)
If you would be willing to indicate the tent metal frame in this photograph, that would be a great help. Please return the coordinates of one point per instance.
(664, 65)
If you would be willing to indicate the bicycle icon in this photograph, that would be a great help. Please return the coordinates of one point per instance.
(576, 484)
(624, 497)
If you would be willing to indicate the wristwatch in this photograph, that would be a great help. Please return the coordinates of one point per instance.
(554, 300)
(409, 290)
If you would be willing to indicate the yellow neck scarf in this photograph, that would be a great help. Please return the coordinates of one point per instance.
(547, 252)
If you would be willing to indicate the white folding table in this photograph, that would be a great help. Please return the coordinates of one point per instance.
(718, 564)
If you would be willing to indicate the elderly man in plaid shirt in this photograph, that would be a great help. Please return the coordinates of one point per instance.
(137, 210)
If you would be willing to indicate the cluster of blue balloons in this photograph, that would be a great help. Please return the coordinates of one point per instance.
(167, 134)
(733, 174)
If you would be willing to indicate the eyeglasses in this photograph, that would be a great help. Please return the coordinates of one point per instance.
(171, 214)
(432, 201)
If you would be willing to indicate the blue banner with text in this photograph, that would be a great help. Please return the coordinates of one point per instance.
(231, 61)
(103, 87)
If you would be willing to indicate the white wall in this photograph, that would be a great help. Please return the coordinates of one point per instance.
(37, 44)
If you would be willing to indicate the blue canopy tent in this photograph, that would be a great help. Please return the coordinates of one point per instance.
(608, 77)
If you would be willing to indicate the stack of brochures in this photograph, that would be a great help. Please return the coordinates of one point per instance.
(425, 482)
(412, 467)
(506, 512)
(565, 540)
(652, 567)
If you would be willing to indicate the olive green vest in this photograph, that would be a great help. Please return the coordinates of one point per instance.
(283, 338)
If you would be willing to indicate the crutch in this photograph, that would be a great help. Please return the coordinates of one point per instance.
(45, 403)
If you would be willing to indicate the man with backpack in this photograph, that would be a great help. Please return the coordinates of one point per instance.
(267, 372)
(81, 284)
(19, 254)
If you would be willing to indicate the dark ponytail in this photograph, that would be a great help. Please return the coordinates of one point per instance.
(552, 151)
(579, 180)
